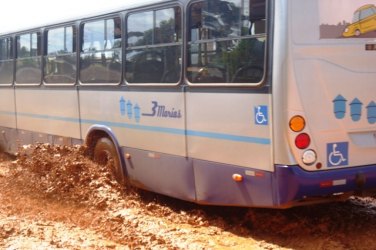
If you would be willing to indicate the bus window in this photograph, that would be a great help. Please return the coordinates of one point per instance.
(60, 58)
(100, 58)
(28, 60)
(6, 61)
(226, 41)
(154, 47)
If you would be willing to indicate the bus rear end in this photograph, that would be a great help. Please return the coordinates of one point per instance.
(329, 93)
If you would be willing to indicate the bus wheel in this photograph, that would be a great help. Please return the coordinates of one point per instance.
(104, 152)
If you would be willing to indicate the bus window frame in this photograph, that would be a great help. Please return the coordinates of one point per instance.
(179, 43)
(12, 59)
(79, 44)
(25, 32)
(45, 51)
(266, 35)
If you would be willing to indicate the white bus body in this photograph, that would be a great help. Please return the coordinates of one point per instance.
(301, 131)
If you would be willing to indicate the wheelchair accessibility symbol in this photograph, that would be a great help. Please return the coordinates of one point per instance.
(338, 154)
(261, 115)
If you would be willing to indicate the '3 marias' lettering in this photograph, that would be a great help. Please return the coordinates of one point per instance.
(161, 111)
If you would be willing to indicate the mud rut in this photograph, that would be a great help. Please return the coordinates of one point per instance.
(54, 197)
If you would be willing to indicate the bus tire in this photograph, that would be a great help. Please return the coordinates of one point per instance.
(105, 151)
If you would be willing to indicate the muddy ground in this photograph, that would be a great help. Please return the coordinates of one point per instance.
(54, 197)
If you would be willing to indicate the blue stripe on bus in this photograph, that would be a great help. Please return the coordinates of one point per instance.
(175, 131)
(50, 117)
(228, 137)
(7, 113)
(165, 130)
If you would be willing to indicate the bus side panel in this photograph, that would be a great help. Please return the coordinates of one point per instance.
(140, 120)
(52, 112)
(7, 120)
(230, 128)
(215, 185)
(7, 108)
(230, 134)
(150, 128)
(166, 174)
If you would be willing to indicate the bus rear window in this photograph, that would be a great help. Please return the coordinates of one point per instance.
(226, 41)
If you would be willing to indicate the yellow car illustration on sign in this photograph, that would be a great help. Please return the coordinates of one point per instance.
(364, 21)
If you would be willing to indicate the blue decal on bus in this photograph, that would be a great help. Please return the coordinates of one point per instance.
(356, 109)
(137, 112)
(338, 154)
(127, 108)
(261, 115)
(339, 107)
(158, 110)
(122, 106)
(371, 112)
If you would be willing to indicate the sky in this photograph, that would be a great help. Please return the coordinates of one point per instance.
(22, 14)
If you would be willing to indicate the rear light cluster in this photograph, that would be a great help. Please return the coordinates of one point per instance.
(303, 140)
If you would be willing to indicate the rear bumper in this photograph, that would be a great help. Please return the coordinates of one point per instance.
(287, 186)
(294, 185)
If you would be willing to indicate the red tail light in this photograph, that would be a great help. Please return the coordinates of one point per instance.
(302, 141)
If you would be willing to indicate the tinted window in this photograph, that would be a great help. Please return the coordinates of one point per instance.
(154, 47)
(140, 29)
(28, 45)
(60, 41)
(6, 48)
(6, 62)
(226, 41)
(164, 31)
(60, 61)
(28, 63)
(101, 51)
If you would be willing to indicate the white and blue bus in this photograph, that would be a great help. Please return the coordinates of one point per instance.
(255, 103)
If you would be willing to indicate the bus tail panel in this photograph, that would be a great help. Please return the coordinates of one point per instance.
(294, 186)
(332, 85)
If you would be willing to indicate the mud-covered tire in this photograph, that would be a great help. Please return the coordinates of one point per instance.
(105, 151)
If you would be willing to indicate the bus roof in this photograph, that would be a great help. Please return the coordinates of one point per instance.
(77, 13)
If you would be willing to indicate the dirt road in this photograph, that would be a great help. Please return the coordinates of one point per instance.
(53, 197)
